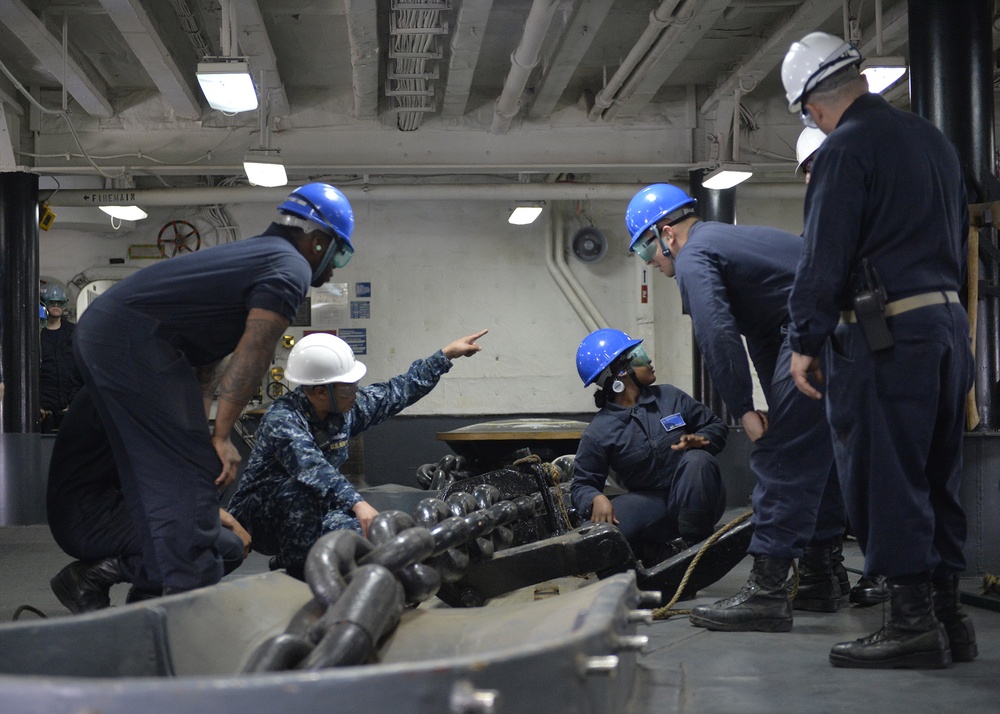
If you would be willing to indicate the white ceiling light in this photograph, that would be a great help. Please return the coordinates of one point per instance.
(227, 84)
(883, 72)
(264, 167)
(726, 175)
(525, 214)
(125, 213)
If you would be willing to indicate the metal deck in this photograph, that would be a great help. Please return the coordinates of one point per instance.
(683, 669)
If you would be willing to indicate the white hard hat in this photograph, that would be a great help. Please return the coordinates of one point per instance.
(809, 142)
(321, 358)
(811, 60)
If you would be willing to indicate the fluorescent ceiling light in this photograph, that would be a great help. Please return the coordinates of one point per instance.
(125, 213)
(883, 72)
(523, 215)
(264, 168)
(227, 84)
(726, 176)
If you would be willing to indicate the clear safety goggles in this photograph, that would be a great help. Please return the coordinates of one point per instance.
(342, 253)
(645, 247)
(54, 303)
(638, 357)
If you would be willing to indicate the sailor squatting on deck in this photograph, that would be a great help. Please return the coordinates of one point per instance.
(292, 490)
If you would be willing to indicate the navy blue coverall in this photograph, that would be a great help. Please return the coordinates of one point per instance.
(58, 377)
(661, 482)
(735, 280)
(887, 186)
(137, 347)
(291, 491)
(86, 510)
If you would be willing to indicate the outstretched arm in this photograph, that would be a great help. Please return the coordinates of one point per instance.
(464, 347)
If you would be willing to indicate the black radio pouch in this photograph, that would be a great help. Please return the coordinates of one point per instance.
(869, 309)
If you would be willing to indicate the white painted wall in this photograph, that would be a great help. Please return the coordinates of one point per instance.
(442, 270)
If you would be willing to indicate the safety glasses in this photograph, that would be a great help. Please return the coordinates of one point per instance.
(645, 247)
(54, 303)
(638, 357)
(342, 254)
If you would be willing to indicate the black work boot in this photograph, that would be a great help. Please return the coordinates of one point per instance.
(837, 556)
(958, 625)
(136, 595)
(913, 637)
(695, 525)
(85, 587)
(762, 605)
(650, 554)
(870, 590)
(819, 589)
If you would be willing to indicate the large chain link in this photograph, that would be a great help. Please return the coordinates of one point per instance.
(361, 587)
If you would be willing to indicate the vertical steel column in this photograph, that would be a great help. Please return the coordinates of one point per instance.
(22, 481)
(951, 85)
(712, 206)
(19, 300)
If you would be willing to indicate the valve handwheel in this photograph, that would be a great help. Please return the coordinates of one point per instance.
(179, 237)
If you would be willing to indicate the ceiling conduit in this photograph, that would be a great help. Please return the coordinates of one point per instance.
(211, 195)
(522, 61)
(659, 18)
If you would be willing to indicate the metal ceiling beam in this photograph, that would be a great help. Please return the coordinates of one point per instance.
(90, 93)
(362, 28)
(256, 45)
(691, 22)
(582, 30)
(142, 35)
(466, 44)
(769, 54)
(8, 160)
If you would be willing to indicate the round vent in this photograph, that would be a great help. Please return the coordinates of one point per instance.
(589, 245)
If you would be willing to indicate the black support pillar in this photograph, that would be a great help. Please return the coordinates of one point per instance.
(22, 483)
(718, 206)
(951, 85)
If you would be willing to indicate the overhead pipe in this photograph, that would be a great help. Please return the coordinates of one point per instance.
(659, 18)
(567, 191)
(522, 61)
(679, 23)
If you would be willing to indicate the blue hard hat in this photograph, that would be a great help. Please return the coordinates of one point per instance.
(322, 204)
(598, 350)
(52, 293)
(329, 208)
(651, 204)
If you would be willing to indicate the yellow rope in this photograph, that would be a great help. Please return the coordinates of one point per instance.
(666, 612)
(991, 584)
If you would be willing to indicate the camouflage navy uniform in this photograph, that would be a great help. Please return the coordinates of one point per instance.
(291, 491)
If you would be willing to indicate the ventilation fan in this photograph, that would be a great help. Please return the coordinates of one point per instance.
(589, 245)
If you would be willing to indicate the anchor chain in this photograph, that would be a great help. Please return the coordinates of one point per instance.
(361, 586)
